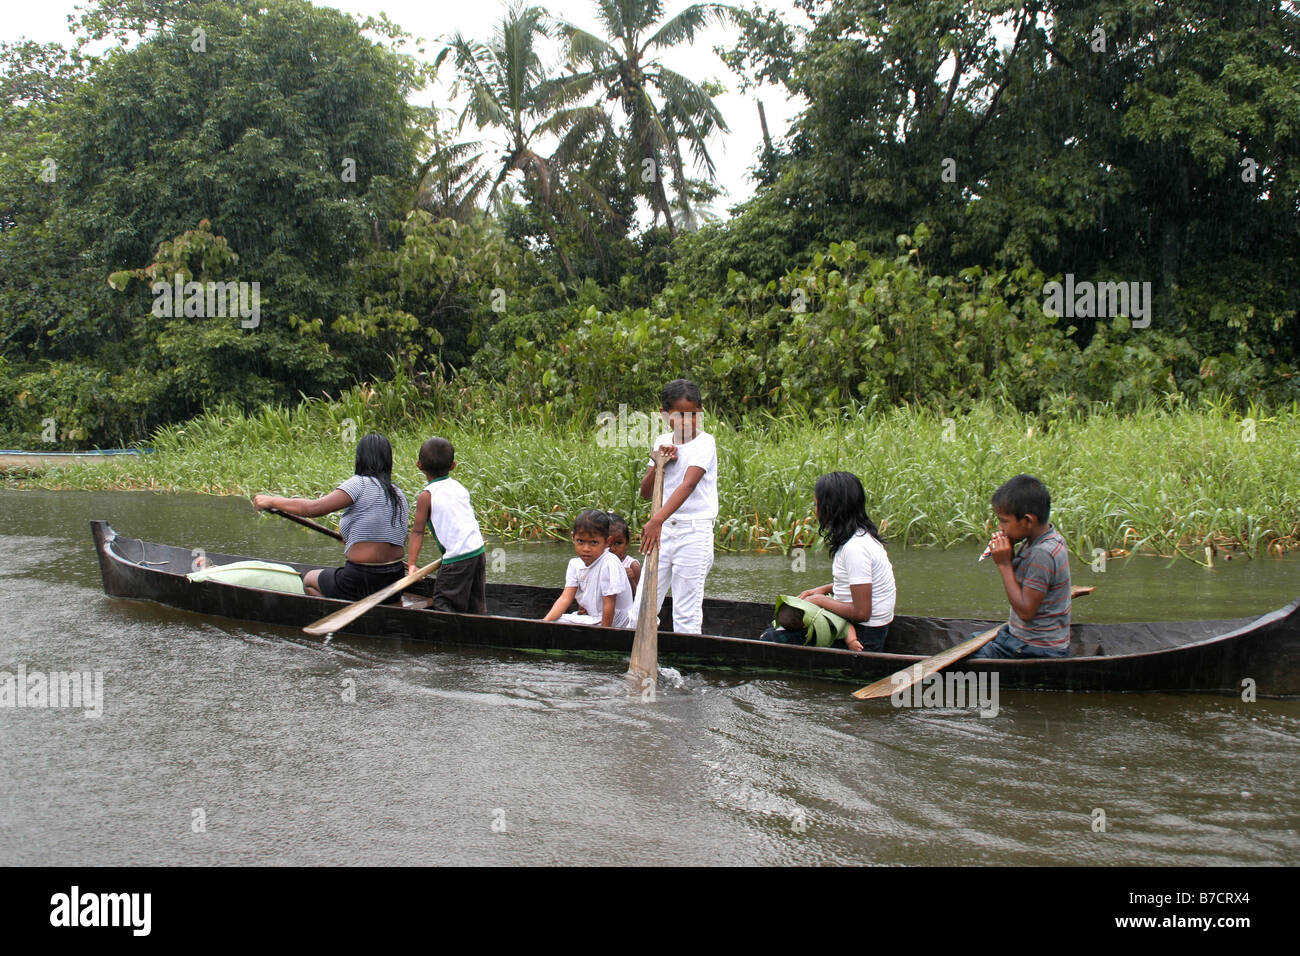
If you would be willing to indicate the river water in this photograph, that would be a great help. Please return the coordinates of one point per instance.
(228, 743)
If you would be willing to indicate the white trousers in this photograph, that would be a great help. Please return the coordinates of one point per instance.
(685, 559)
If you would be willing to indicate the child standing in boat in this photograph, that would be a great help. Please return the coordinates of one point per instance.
(1037, 579)
(862, 588)
(373, 525)
(444, 508)
(595, 578)
(683, 525)
(619, 539)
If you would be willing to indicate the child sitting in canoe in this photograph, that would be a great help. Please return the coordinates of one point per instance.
(444, 508)
(619, 539)
(862, 590)
(1036, 579)
(595, 578)
(373, 525)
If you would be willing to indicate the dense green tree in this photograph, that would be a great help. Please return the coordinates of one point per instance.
(277, 122)
(1137, 139)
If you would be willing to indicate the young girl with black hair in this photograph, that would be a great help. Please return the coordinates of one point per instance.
(619, 539)
(862, 579)
(373, 525)
(683, 526)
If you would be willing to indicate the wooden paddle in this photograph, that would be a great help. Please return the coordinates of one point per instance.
(901, 680)
(341, 619)
(307, 523)
(644, 664)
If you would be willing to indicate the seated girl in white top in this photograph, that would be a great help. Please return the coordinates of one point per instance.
(595, 578)
(862, 579)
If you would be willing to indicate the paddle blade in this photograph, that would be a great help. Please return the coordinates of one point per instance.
(901, 680)
(644, 663)
(342, 618)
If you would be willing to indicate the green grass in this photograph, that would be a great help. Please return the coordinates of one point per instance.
(1165, 480)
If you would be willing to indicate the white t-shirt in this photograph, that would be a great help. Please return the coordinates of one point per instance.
(863, 560)
(451, 519)
(603, 576)
(701, 451)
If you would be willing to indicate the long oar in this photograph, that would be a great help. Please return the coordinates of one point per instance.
(901, 680)
(644, 664)
(307, 523)
(341, 619)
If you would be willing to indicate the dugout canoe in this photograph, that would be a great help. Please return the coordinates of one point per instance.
(1207, 656)
(15, 460)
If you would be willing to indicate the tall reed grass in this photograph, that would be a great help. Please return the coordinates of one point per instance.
(1167, 480)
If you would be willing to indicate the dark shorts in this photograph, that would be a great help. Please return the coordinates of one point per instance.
(872, 638)
(462, 586)
(352, 582)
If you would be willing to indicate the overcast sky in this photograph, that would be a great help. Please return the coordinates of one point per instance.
(734, 153)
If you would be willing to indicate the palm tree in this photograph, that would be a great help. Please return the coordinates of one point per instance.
(623, 66)
(451, 183)
(511, 89)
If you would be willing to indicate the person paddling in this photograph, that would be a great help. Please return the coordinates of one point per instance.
(373, 525)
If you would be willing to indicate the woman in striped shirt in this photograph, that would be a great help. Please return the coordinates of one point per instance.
(373, 525)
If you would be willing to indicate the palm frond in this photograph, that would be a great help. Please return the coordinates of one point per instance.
(683, 27)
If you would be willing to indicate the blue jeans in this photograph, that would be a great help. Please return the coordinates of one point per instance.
(1004, 645)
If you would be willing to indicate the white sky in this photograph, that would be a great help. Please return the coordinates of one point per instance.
(734, 153)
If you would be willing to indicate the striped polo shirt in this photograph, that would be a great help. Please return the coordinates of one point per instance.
(1044, 565)
(371, 517)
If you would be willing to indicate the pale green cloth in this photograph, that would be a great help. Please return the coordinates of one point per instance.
(253, 574)
(821, 627)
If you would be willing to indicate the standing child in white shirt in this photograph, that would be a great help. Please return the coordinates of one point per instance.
(595, 578)
(444, 508)
(683, 526)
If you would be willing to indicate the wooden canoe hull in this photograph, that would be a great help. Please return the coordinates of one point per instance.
(1208, 656)
(38, 460)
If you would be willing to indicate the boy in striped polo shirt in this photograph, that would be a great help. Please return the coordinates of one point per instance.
(1037, 579)
(444, 508)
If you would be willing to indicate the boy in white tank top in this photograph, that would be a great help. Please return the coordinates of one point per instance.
(445, 509)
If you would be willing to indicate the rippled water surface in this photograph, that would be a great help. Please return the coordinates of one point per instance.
(245, 732)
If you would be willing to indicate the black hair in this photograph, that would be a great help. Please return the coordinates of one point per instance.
(592, 520)
(676, 390)
(618, 522)
(790, 618)
(1023, 495)
(375, 460)
(437, 456)
(842, 509)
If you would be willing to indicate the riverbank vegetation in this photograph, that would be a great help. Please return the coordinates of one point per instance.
(1165, 479)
